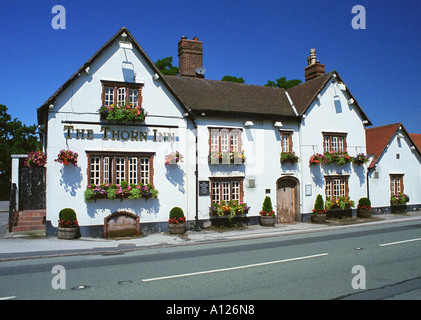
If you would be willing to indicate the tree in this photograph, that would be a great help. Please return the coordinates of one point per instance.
(283, 83)
(233, 79)
(165, 66)
(15, 138)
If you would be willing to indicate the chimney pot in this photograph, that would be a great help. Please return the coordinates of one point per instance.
(314, 68)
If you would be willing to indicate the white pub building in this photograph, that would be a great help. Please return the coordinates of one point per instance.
(128, 123)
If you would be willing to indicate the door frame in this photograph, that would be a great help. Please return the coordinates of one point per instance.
(296, 193)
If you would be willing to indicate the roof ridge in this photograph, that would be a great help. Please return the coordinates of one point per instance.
(328, 75)
(228, 82)
(385, 125)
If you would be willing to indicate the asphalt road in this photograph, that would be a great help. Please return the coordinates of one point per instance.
(307, 266)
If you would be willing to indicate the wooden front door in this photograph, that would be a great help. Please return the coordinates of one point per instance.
(286, 200)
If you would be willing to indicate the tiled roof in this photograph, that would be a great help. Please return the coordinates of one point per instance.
(304, 94)
(378, 138)
(223, 97)
(416, 137)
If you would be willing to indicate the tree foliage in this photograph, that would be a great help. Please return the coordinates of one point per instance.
(282, 82)
(165, 66)
(15, 138)
(233, 79)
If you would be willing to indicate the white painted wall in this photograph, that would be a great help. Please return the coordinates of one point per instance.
(408, 164)
(81, 102)
(262, 148)
(331, 113)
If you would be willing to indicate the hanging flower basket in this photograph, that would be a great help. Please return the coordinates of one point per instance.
(317, 158)
(67, 157)
(360, 159)
(173, 158)
(35, 159)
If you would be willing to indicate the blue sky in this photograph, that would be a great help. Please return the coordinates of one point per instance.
(254, 39)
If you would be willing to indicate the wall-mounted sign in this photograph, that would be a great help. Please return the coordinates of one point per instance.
(203, 188)
(107, 133)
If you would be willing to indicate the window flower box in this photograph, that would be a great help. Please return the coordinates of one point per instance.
(340, 158)
(67, 157)
(122, 113)
(228, 209)
(289, 157)
(339, 207)
(226, 157)
(229, 214)
(398, 202)
(120, 191)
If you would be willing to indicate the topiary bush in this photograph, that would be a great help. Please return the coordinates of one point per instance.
(176, 212)
(364, 202)
(67, 214)
(267, 209)
(67, 218)
(176, 216)
(319, 207)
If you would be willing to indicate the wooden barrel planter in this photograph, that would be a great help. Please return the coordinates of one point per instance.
(177, 228)
(267, 221)
(67, 233)
(318, 218)
(364, 213)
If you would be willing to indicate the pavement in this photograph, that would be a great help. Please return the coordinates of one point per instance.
(43, 247)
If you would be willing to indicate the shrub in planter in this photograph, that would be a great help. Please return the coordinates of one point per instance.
(319, 211)
(267, 215)
(364, 208)
(68, 227)
(177, 221)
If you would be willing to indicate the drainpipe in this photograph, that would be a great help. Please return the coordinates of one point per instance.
(368, 183)
(196, 173)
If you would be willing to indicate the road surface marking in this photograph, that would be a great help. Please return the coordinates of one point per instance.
(234, 268)
(398, 242)
(7, 298)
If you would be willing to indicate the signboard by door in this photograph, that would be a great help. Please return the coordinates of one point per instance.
(31, 188)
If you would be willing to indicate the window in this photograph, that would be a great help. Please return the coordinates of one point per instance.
(286, 140)
(396, 183)
(226, 189)
(115, 167)
(334, 142)
(224, 140)
(336, 186)
(117, 93)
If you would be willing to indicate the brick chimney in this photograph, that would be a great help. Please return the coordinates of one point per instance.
(314, 69)
(190, 53)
